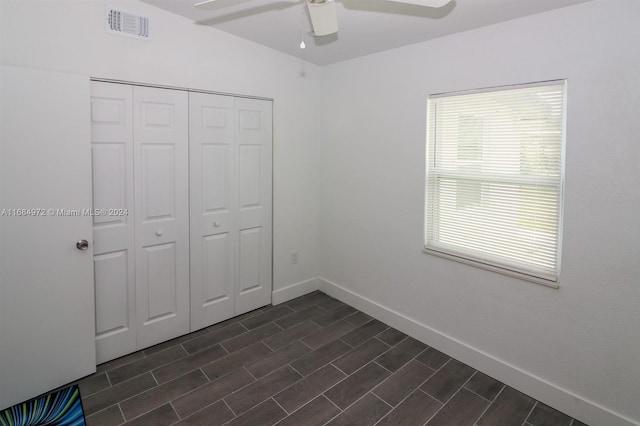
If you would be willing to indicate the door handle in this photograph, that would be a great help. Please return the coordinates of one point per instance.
(82, 245)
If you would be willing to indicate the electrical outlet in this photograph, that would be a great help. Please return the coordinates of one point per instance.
(294, 257)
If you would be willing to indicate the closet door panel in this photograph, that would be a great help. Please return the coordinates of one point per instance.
(254, 211)
(112, 291)
(112, 189)
(250, 259)
(162, 207)
(113, 234)
(158, 182)
(212, 183)
(216, 203)
(217, 271)
(161, 283)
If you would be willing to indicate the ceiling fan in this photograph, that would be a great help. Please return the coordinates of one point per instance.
(324, 19)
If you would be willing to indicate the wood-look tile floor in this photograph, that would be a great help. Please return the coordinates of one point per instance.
(310, 361)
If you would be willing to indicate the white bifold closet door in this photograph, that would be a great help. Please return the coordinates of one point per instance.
(140, 178)
(161, 176)
(193, 171)
(231, 196)
(253, 146)
(113, 236)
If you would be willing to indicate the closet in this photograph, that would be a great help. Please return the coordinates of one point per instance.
(182, 196)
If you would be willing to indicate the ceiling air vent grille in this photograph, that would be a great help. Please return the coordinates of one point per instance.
(124, 23)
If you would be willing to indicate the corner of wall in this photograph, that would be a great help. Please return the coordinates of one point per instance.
(295, 290)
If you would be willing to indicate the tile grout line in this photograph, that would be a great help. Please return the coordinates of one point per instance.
(249, 384)
(354, 403)
(121, 401)
(255, 379)
(340, 338)
(294, 369)
(156, 407)
(436, 369)
(174, 409)
(278, 404)
(436, 412)
(444, 404)
(151, 370)
(302, 341)
(476, 393)
(230, 409)
(382, 366)
(419, 353)
(345, 378)
(207, 405)
(121, 413)
(391, 348)
(382, 399)
(220, 342)
(417, 388)
(399, 403)
(434, 372)
(337, 368)
(490, 402)
(267, 345)
(530, 411)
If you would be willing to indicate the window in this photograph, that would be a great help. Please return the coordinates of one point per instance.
(495, 162)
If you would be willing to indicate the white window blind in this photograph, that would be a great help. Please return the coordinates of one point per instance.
(494, 177)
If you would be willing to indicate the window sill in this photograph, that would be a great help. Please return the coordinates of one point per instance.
(497, 269)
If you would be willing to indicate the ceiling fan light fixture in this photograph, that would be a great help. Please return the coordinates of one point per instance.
(323, 16)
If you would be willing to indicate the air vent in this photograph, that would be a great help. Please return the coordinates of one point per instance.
(124, 23)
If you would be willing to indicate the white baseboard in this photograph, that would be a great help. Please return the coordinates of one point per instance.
(563, 400)
(295, 290)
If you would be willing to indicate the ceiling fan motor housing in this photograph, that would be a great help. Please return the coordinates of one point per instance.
(323, 16)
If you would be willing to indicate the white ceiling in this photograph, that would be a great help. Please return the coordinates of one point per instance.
(366, 26)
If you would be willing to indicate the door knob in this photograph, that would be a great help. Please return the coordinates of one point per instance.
(216, 224)
(82, 245)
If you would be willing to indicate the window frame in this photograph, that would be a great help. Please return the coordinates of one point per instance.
(487, 264)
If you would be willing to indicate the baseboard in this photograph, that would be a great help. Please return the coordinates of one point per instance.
(563, 400)
(296, 290)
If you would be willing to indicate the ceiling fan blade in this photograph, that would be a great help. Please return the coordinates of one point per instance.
(427, 3)
(217, 4)
(323, 16)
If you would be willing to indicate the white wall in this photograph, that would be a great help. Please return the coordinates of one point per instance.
(577, 348)
(69, 36)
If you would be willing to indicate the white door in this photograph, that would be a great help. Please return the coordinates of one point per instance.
(161, 179)
(213, 199)
(113, 233)
(254, 171)
(46, 283)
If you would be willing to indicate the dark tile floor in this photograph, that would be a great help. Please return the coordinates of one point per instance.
(310, 361)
